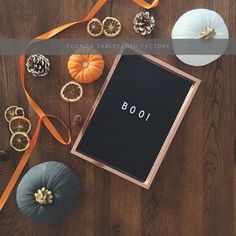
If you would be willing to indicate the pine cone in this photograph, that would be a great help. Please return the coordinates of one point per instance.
(38, 65)
(144, 23)
(77, 120)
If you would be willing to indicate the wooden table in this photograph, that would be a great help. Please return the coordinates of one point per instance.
(193, 192)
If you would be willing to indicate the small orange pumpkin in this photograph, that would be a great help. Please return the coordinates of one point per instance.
(86, 67)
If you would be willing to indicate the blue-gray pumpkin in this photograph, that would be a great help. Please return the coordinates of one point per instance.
(48, 192)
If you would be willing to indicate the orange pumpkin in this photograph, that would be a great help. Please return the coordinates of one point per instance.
(86, 67)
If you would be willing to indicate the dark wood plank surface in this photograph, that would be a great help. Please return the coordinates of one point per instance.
(193, 192)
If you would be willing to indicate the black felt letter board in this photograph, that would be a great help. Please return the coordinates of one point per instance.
(134, 116)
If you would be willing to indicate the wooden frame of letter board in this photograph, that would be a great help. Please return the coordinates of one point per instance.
(147, 183)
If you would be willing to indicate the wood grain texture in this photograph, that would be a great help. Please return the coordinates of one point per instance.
(193, 192)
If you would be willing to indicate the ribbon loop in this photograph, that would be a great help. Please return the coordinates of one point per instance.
(146, 5)
(56, 134)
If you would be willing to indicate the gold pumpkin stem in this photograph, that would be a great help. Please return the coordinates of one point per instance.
(207, 33)
(85, 64)
(43, 196)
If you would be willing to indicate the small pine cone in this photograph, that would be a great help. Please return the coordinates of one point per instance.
(144, 23)
(38, 65)
(77, 120)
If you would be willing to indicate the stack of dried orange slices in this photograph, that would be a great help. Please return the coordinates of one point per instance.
(19, 127)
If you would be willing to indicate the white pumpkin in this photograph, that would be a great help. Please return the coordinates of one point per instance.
(202, 24)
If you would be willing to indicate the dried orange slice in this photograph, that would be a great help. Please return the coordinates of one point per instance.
(95, 27)
(111, 27)
(13, 111)
(20, 141)
(19, 124)
(20, 111)
(71, 92)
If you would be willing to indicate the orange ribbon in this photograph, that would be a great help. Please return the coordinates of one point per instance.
(44, 118)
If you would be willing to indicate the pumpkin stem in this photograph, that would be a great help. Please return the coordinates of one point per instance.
(85, 64)
(43, 196)
(207, 33)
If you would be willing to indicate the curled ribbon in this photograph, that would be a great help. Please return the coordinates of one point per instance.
(44, 118)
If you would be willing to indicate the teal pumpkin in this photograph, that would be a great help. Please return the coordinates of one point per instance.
(48, 192)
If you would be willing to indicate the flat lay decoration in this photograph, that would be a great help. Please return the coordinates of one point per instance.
(111, 27)
(86, 67)
(204, 26)
(144, 23)
(95, 27)
(13, 111)
(19, 127)
(44, 196)
(19, 124)
(71, 92)
(77, 120)
(43, 117)
(38, 65)
(48, 192)
(20, 141)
